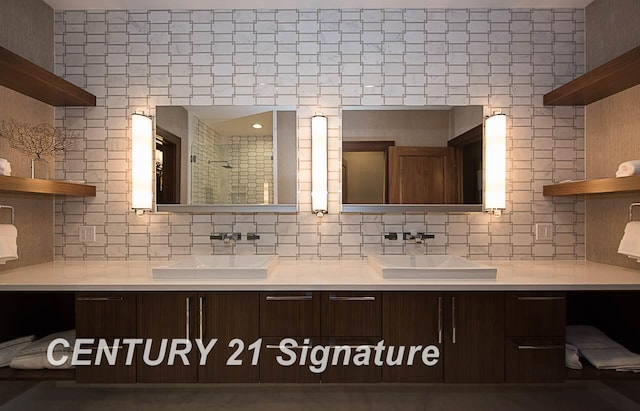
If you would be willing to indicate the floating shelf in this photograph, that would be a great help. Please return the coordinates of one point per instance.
(619, 74)
(23, 76)
(596, 186)
(38, 186)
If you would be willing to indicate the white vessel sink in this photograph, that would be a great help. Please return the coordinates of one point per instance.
(430, 267)
(218, 267)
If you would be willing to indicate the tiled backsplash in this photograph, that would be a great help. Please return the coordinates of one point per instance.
(320, 60)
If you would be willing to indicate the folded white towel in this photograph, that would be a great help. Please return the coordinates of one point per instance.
(34, 355)
(630, 243)
(572, 360)
(9, 349)
(600, 350)
(628, 168)
(8, 243)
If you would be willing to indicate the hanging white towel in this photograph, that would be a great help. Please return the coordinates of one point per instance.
(628, 168)
(8, 243)
(630, 244)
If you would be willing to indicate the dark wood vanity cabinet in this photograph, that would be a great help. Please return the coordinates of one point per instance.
(222, 315)
(535, 336)
(413, 318)
(228, 316)
(483, 337)
(473, 337)
(167, 315)
(108, 316)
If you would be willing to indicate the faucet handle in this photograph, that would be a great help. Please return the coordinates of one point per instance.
(252, 237)
(391, 236)
(215, 236)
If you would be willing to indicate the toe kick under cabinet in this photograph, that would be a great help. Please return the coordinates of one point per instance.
(482, 337)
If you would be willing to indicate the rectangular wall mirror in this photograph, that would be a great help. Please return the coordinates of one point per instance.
(412, 158)
(226, 158)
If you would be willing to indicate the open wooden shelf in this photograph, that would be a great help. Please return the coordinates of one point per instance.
(619, 74)
(23, 76)
(7, 373)
(596, 186)
(38, 186)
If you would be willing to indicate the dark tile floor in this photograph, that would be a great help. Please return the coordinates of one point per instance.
(574, 395)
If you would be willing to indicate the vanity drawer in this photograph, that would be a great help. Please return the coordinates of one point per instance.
(533, 314)
(351, 373)
(351, 314)
(272, 372)
(107, 315)
(535, 360)
(289, 313)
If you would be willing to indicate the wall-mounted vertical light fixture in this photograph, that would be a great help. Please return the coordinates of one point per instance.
(495, 160)
(319, 160)
(141, 163)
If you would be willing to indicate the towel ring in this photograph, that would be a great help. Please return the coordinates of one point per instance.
(631, 210)
(13, 213)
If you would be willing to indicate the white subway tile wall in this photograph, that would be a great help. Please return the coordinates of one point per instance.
(320, 60)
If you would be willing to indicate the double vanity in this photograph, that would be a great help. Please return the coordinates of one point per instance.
(497, 321)
(428, 267)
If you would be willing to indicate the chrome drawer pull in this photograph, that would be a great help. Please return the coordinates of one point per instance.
(188, 307)
(306, 297)
(277, 347)
(540, 347)
(100, 299)
(540, 298)
(453, 319)
(439, 320)
(333, 297)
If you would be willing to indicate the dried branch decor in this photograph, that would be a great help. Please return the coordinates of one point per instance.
(37, 141)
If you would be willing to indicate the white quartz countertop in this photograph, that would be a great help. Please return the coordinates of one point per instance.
(317, 275)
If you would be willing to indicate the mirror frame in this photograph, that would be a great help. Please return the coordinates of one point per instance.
(412, 208)
(235, 208)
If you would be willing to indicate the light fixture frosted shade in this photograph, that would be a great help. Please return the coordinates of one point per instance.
(495, 160)
(141, 162)
(319, 158)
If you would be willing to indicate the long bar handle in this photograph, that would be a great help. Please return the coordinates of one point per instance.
(540, 347)
(333, 297)
(289, 297)
(188, 303)
(453, 319)
(540, 298)
(100, 299)
(439, 320)
(201, 310)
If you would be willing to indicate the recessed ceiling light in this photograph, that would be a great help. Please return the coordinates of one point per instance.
(256, 125)
(369, 86)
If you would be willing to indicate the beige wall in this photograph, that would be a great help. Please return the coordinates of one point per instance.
(420, 128)
(365, 176)
(463, 119)
(26, 28)
(612, 128)
(287, 157)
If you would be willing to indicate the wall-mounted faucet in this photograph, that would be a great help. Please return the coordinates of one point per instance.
(418, 238)
(391, 236)
(227, 238)
(252, 237)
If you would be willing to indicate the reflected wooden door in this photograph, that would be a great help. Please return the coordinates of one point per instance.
(423, 175)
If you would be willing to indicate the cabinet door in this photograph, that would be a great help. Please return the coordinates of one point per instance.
(226, 316)
(166, 315)
(351, 314)
(474, 337)
(273, 372)
(413, 319)
(108, 316)
(350, 373)
(422, 175)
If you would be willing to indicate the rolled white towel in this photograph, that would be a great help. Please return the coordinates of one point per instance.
(628, 168)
